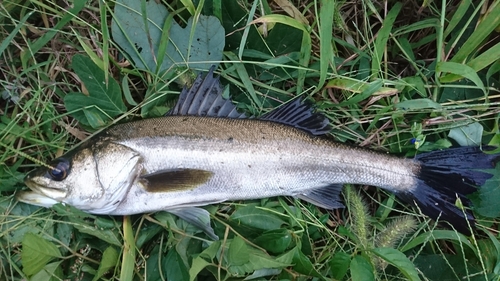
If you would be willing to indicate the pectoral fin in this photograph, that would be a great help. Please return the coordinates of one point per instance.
(175, 180)
(197, 217)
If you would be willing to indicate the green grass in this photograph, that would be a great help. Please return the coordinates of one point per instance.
(388, 74)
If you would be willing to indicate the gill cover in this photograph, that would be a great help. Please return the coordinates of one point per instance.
(116, 168)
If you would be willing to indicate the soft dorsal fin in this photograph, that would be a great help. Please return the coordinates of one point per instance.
(204, 98)
(301, 115)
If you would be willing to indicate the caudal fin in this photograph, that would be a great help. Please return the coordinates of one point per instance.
(447, 175)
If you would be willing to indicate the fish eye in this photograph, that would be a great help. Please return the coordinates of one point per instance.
(61, 169)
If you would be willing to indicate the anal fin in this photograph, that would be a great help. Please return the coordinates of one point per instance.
(327, 197)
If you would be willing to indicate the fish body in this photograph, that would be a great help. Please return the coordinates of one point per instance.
(205, 152)
(243, 159)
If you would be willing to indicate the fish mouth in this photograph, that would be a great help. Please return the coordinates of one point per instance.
(34, 198)
(40, 195)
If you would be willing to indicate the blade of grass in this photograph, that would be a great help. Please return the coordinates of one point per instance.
(44, 39)
(103, 7)
(478, 63)
(189, 6)
(482, 31)
(325, 25)
(458, 16)
(8, 40)
(164, 40)
(439, 48)
(90, 52)
(247, 30)
(245, 78)
(128, 258)
(196, 17)
(382, 38)
(306, 45)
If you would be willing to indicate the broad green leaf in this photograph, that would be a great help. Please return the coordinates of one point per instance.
(461, 91)
(362, 89)
(287, 257)
(361, 269)
(153, 269)
(202, 260)
(238, 252)
(198, 265)
(417, 104)
(488, 195)
(339, 265)
(256, 260)
(275, 241)
(146, 234)
(417, 84)
(107, 235)
(450, 267)
(434, 235)
(263, 272)
(399, 260)
(462, 70)
(467, 135)
(104, 99)
(489, 252)
(140, 26)
(108, 261)
(303, 265)
(36, 253)
(50, 272)
(175, 268)
(258, 218)
(155, 99)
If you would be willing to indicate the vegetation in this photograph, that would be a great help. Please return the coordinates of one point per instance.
(396, 76)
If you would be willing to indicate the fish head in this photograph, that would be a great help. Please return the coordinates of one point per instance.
(94, 179)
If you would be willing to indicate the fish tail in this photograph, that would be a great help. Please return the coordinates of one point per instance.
(448, 175)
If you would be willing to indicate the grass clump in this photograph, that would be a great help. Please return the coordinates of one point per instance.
(397, 76)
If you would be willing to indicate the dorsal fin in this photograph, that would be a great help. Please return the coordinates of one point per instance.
(204, 98)
(301, 115)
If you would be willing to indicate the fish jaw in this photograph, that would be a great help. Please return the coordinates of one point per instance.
(41, 194)
(35, 198)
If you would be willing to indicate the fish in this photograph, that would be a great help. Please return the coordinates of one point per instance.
(204, 151)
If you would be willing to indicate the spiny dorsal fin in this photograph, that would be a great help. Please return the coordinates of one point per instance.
(204, 98)
(301, 115)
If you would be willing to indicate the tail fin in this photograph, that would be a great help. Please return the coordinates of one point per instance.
(447, 175)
